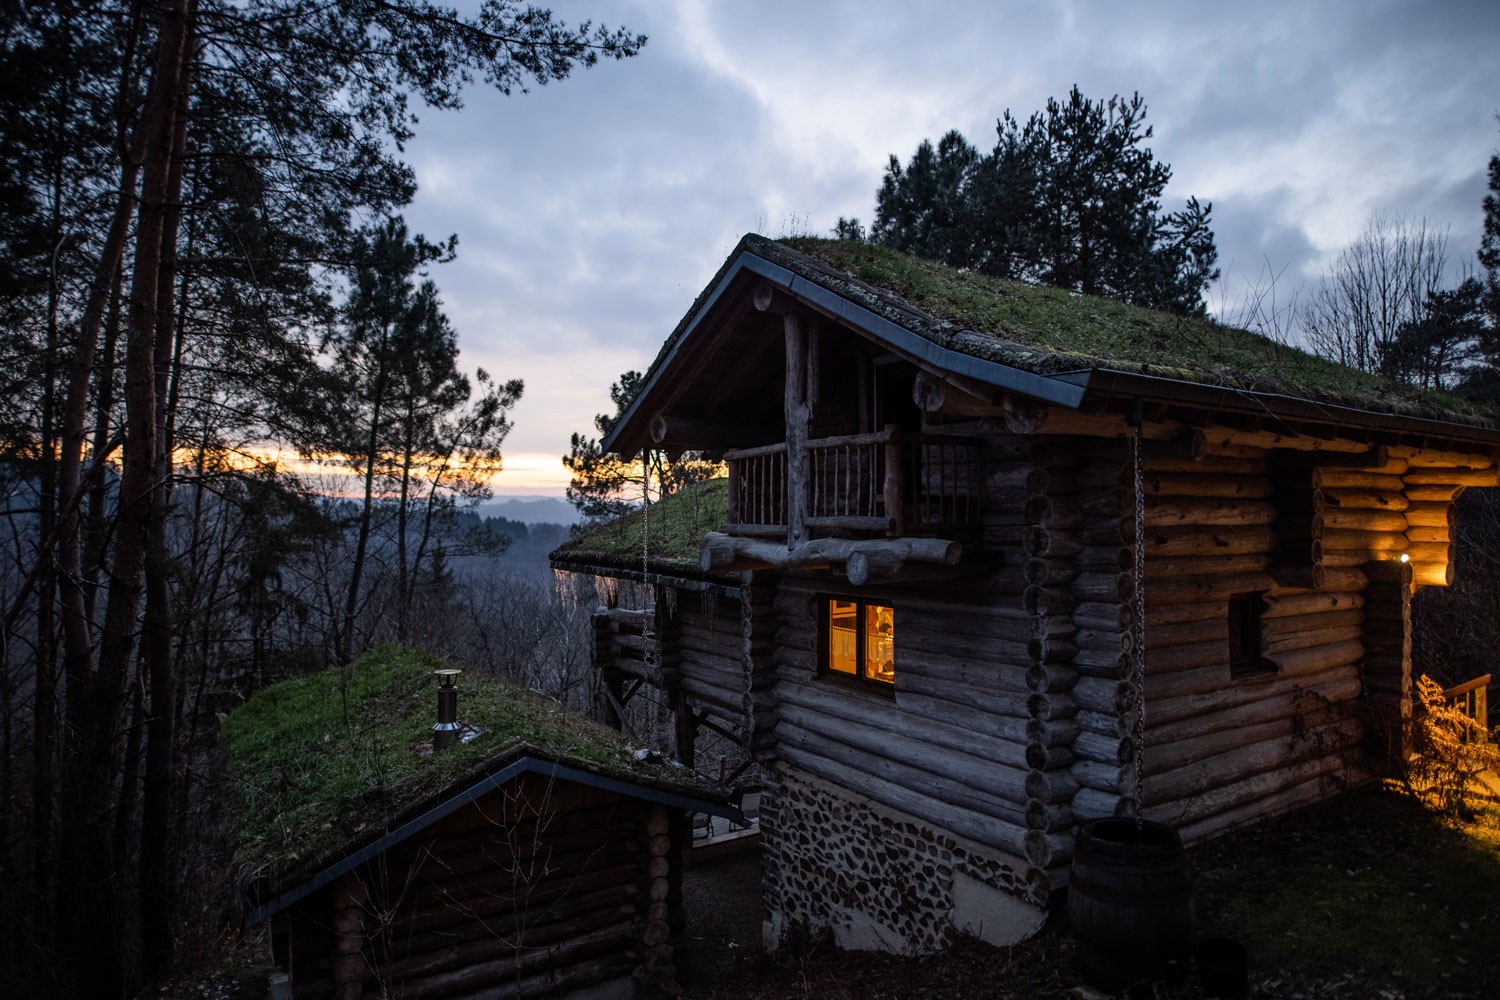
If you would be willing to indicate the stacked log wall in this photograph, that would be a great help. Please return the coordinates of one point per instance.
(1222, 750)
(711, 657)
(1077, 576)
(1097, 605)
(758, 656)
(1388, 681)
(541, 888)
(944, 753)
(949, 741)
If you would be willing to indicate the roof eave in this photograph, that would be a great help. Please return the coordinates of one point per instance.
(721, 585)
(1115, 383)
(628, 434)
(526, 763)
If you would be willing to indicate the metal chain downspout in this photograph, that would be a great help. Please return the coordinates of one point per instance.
(1138, 626)
(645, 513)
(650, 630)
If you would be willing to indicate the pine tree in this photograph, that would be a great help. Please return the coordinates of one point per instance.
(1071, 198)
(604, 486)
(1489, 245)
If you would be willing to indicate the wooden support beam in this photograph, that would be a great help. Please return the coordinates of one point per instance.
(1452, 477)
(1438, 456)
(721, 552)
(767, 298)
(798, 419)
(687, 432)
(954, 395)
(1210, 439)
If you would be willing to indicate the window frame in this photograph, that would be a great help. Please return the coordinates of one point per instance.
(861, 677)
(1246, 636)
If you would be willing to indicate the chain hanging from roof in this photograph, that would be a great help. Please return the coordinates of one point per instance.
(648, 626)
(1138, 623)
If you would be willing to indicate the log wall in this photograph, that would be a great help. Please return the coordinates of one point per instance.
(1081, 605)
(539, 889)
(939, 762)
(710, 657)
(952, 740)
(1014, 704)
(1220, 750)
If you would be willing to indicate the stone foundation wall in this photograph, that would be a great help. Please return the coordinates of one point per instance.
(878, 879)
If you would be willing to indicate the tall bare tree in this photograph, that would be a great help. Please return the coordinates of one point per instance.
(1380, 283)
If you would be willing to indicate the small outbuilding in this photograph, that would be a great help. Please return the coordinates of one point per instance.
(997, 559)
(538, 856)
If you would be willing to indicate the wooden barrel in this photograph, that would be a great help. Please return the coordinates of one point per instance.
(1130, 903)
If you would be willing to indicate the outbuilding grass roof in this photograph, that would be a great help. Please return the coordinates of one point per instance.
(1048, 331)
(325, 763)
(673, 531)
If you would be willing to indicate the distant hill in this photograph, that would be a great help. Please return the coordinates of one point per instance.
(530, 510)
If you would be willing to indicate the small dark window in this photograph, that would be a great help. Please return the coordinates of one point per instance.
(858, 641)
(1245, 657)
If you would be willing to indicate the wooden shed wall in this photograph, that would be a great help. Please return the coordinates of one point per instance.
(540, 889)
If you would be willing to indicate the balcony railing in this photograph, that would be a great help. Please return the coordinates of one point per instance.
(1472, 699)
(881, 483)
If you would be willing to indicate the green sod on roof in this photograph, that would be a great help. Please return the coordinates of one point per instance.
(1051, 330)
(324, 762)
(674, 527)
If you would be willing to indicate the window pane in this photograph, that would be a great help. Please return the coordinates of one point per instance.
(880, 648)
(843, 636)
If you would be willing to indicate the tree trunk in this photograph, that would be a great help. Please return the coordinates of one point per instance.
(344, 636)
(96, 914)
(156, 637)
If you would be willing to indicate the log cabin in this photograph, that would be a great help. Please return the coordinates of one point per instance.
(536, 855)
(998, 559)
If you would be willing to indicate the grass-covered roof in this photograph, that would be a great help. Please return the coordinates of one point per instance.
(325, 763)
(1049, 331)
(673, 530)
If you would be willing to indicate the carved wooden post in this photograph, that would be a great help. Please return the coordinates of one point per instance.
(605, 654)
(892, 485)
(797, 419)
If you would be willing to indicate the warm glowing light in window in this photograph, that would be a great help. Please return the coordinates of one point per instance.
(843, 637)
(859, 640)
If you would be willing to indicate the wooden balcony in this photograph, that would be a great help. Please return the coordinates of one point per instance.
(881, 484)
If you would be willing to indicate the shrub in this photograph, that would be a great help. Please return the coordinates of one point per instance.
(1449, 750)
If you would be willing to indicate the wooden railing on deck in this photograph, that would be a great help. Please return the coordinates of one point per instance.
(1472, 698)
(883, 482)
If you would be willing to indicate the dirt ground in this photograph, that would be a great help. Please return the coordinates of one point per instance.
(723, 905)
(1367, 897)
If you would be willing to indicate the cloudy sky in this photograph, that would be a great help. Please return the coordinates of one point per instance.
(591, 212)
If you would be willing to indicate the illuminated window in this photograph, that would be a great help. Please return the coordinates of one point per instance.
(859, 640)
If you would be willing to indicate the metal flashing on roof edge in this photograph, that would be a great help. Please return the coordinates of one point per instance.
(524, 765)
(1041, 387)
(1112, 382)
